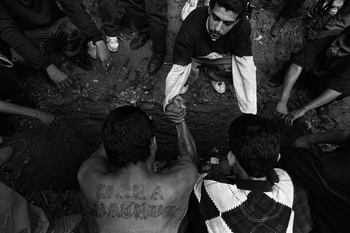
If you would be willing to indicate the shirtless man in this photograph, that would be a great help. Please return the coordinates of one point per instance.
(119, 180)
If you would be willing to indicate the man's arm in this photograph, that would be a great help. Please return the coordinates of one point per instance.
(185, 171)
(336, 137)
(291, 77)
(186, 144)
(326, 97)
(12, 35)
(76, 12)
(9, 108)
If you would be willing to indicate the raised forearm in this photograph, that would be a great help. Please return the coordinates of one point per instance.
(186, 144)
(291, 77)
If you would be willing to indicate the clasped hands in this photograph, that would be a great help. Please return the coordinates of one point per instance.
(176, 110)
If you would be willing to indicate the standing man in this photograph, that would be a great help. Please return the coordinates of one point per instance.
(119, 180)
(218, 37)
(22, 22)
(150, 19)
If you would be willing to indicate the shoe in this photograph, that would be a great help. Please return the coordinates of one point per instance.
(219, 87)
(155, 63)
(5, 154)
(66, 224)
(139, 41)
(112, 43)
(83, 61)
(91, 50)
(278, 26)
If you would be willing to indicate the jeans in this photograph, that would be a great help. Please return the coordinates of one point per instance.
(148, 16)
(62, 35)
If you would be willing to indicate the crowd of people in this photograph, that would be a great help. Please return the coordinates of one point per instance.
(251, 189)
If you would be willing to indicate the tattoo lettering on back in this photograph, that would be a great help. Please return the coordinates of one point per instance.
(132, 201)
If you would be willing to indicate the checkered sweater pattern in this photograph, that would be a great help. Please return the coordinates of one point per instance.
(227, 208)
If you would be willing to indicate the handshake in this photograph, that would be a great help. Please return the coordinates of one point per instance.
(176, 110)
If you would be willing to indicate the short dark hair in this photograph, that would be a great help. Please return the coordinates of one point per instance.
(237, 6)
(126, 136)
(255, 141)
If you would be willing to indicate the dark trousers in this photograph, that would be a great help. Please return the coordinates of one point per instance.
(62, 35)
(110, 11)
(148, 16)
(307, 169)
(291, 8)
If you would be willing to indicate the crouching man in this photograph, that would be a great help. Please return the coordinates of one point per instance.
(246, 193)
(218, 38)
(119, 180)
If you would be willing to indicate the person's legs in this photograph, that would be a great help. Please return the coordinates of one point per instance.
(137, 14)
(156, 11)
(109, 15)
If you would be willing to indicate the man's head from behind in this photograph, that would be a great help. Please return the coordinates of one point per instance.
(255, 143)
(128, 136)
(223, 15)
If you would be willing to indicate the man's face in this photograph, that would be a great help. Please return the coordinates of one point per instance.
(338, 48)
(220, 21)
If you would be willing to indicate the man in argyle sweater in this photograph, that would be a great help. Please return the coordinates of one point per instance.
(245, 193)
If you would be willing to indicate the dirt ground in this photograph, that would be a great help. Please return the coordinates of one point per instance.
(46, 160)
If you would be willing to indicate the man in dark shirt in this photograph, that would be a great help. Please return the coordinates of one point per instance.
(212, 33)
(20, 16)
(326, 65)
(325, 175)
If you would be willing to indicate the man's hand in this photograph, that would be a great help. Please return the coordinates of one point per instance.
(282, 108)
(46, 118)
(176, 110)
(293, 115)
(213, 55)
(58, 76)
(302, 142)
(103, 54)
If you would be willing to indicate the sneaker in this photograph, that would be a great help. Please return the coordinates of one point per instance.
(66, 224)
(219, 87)
(91, 50)
(139, 41)
(189, 6)
(277, 27)
(112, 43)
(5, 154)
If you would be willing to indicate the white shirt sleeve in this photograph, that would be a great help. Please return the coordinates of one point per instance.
(175, 81)
(244, 82)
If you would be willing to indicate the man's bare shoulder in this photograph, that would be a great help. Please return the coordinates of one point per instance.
(180, 173)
